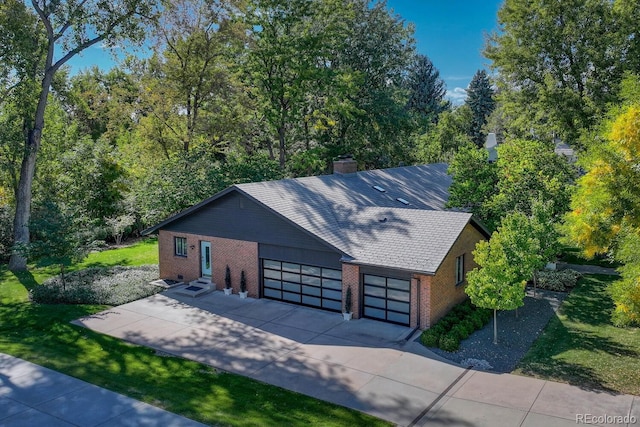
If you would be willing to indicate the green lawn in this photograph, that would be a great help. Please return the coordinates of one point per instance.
(42, 334)
(573, 256)
(583, 348)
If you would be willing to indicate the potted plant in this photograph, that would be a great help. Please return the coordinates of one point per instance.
(347, 305)
(227, 281)
(243, 286)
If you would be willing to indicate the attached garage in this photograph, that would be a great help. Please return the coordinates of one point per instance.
(302, 284)
(383, 234)
(387, 299)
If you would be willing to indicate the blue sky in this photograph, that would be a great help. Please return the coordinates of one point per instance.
(450, 32)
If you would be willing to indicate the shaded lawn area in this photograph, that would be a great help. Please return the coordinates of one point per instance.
(43, 335)
(582, 347)
(573, 256)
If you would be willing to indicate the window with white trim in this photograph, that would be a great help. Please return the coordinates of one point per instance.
(460, 269)
(181, 246)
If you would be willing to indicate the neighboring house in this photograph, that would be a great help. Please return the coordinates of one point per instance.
(490, 145)
(384, 233)
(563, 149)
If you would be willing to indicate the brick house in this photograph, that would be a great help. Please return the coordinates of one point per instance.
(383, 233)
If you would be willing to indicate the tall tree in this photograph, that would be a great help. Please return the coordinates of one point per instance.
(197, 43)
(290, 53)
(559, 62)
(530, 170)
(65, 28)
(426, 90)
(446, 137)
(605, 208)
(474, 181)
(480, 101)
(375, 124)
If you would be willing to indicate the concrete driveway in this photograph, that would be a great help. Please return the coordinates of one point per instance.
(362, 364)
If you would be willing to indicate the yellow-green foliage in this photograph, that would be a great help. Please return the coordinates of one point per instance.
(605, 208)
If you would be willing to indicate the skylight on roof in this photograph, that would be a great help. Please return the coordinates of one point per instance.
(380, 189)
(403, 201)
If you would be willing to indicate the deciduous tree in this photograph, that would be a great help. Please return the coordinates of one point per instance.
(63, 30)
(559, 62)
(605, 207)
(499, 282)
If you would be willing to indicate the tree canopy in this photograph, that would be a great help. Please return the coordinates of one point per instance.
(559, 64)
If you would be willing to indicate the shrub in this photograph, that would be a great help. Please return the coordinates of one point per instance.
(460, 332)
(109, 286)
(447, 322)
(626, 296)
(449, 342)
(430, 338)
(559, 281)
(468, 325)
(477, 319)
(486, 314)
(438, 328)
(463, 320)
(463, 310)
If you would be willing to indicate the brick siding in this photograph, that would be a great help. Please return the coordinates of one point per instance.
(431, 296)
(238, 254)
(351, 277)
(440, 292)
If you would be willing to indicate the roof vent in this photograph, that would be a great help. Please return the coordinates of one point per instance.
(403, 201)
(380, 189)
(383, 219)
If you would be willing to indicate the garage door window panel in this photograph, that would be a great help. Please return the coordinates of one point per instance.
(303, 284)
(386, 298)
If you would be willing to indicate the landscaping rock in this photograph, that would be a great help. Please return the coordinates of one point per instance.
(516, 334)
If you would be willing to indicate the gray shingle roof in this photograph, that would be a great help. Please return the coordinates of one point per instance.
(368, 226)
(349, 214)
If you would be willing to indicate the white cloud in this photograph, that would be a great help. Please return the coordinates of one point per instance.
(457, 96)
(457, 78)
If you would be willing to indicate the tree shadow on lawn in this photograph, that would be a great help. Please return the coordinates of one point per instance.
(591, 306)
(25, 278)
(546, 360)
(43, 334)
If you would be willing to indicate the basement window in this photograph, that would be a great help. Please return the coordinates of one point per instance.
(380, 189)
(403, 201)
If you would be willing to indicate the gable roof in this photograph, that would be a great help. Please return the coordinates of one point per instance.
(367, 225)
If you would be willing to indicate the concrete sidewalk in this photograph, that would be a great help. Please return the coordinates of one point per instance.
(363, 364)
(31, 395)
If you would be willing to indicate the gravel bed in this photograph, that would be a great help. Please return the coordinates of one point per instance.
(515, 334)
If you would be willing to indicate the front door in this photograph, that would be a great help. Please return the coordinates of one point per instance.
(205, 258)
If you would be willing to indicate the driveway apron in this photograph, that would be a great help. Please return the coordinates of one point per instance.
(362, 364)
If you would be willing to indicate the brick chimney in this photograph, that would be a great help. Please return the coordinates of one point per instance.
(345, 164)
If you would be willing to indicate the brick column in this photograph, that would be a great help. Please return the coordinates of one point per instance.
(351, 278)
(415, 305)
(425, 302)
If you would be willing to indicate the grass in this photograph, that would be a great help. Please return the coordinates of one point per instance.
(42, 334)
(574, 256)
(582, 347)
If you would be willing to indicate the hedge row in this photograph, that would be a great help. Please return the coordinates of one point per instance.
(559, 281)
(463, 320)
